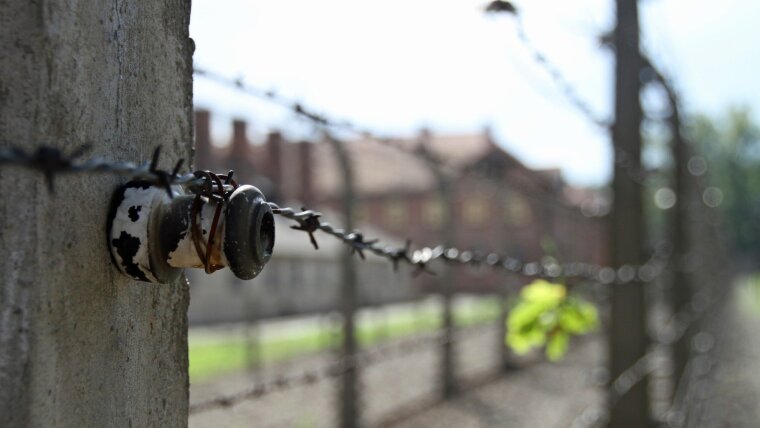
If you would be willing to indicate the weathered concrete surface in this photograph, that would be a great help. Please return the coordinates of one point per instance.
(81, 345)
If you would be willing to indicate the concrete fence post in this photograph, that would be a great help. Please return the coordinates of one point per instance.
(80, 344)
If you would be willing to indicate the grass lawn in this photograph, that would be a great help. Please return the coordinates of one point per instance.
(748, 294)
(209, 358)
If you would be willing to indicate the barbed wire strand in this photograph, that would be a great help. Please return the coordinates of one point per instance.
(632, 169)
(51, 161)
(664, 337)
(310, 221)
(419, 150)
(563, 83)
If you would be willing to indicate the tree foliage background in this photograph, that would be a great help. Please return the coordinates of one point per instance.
(731, 146)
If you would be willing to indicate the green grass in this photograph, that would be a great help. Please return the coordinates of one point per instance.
(749, 293)
(209, 358)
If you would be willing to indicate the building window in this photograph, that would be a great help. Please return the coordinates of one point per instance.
(432, 212)
(516, 210)
(395, 212)
(362, 212)
(475, 210)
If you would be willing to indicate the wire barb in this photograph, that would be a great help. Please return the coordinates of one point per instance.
(52, 161)
(48, 160)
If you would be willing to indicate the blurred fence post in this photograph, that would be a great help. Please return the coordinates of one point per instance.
(349, 391)
(628, 336)
(681, 288)
(448, 359)
(506, 356)
(680, 221)
(448, 363)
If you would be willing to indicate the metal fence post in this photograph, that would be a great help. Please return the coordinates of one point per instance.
(447, 285)
(681, 287)
(349, 391)
(506, 356)
(628, 336)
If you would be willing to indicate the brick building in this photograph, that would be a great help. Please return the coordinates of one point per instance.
(499, 204)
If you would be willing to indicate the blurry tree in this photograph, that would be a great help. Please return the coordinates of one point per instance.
(730, 146)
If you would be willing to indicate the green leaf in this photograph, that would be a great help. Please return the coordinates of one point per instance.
(545, 315)
(520, 343)
(577, 317)
(557, 345)
(544, 292)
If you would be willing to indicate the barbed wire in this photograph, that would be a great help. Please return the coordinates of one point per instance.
(300, 109)
(541, 59)
(310, 221)
(322, 120)
(677, 327)
(591, 416)
(664, 337)
(630, 166)
(52, 161)
(419, 150)
(286, 381)
(697, 365)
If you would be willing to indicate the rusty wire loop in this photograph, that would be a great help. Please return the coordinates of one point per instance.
(218, 191)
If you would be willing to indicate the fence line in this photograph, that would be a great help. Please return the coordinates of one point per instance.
(663, 338)
(52, 161)
(419, 151)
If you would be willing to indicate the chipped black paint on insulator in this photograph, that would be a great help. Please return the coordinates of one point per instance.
(150, 236)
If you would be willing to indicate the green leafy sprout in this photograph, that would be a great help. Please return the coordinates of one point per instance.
(545, 315)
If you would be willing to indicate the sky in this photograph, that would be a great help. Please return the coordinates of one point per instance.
(397, 66)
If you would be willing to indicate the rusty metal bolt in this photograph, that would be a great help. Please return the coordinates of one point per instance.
(152, 237)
